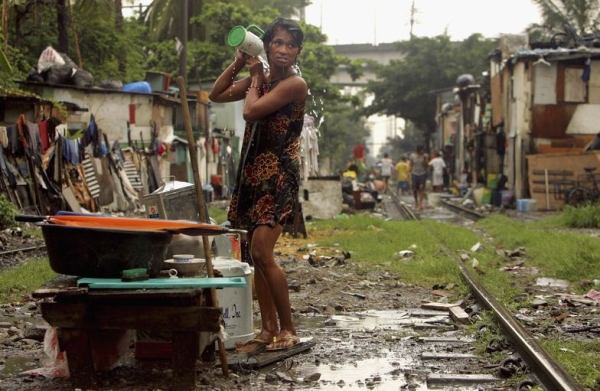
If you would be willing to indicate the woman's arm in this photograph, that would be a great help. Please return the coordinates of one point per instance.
(225, 88)
(291, 89)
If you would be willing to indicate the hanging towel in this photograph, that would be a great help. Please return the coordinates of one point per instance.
(89, 173)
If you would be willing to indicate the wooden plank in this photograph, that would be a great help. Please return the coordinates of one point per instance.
(254, 361)
(445, 378)
(76, 344)
(52, 292)
(184, 353)
(553, 172)
(439, 356)
(96, 316)
(459, 315)
(440, 306)
(163, 283)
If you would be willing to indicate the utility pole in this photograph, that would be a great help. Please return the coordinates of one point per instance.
(184, 38)
(413, 12)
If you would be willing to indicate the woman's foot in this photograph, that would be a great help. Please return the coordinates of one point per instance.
(255, 345)
(284, 340)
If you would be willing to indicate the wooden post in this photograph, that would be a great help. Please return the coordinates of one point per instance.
(201, 208)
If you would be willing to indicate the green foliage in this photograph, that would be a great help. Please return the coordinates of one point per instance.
(404, 87)
(148, 44)
(583, 15)
(8, 211)
(583, 217)
(341, 130)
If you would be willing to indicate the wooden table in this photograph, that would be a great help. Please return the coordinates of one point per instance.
(78, 311)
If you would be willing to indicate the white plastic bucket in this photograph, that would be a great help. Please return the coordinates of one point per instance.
(434, 199)
(236, 302)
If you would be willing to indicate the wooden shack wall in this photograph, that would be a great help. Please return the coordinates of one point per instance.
(572, 164)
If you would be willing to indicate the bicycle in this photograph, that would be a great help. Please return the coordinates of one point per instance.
(586, 191)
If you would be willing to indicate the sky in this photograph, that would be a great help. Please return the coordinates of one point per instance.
(385, 21)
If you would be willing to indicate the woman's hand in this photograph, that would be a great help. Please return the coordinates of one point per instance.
(255, 67)
(241, 56)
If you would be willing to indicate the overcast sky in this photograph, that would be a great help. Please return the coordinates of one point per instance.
(384, 21)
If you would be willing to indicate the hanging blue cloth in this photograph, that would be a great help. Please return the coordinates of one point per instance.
(587, 70)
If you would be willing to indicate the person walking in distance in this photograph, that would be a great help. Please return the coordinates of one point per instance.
(386, 170)
(438, 166)
(268, 176)
(418, 165)
(402, 176)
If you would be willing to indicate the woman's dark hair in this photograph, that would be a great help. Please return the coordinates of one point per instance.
(289, 25)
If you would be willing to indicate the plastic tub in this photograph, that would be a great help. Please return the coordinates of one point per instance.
(236, 302)
(103, 252)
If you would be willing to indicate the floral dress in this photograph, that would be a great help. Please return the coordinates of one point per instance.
(268, 176)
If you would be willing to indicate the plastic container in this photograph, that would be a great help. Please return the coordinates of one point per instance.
(486, 198)
(103, 252)
(496, 198)
(507, 197)
(526, 205)
(478, 196)
(138, 86)
(492, 181)
(433, 199)
(236, 302)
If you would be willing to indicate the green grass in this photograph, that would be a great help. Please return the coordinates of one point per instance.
(374, 242)
(18, 283)
(584, 217)
(579, 359)
(555, 252)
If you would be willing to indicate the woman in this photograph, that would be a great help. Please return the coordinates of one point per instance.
(268, 177)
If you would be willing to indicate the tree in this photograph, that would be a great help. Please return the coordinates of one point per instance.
(579, 17)
(404, 87)
(342, 128)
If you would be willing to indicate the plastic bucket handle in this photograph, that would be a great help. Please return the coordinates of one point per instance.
(256, 29)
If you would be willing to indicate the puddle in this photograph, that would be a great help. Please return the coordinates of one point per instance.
(377, 320)
(15, 365)
(381, 369)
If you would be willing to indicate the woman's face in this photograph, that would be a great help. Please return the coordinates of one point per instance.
(283, 49)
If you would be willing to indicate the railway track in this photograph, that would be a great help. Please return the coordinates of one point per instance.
(543, 370)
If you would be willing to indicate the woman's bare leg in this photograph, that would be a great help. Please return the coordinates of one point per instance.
(273, 295)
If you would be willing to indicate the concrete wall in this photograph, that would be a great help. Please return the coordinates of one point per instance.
(324, 197)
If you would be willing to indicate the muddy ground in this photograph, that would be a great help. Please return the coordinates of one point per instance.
(337, 323)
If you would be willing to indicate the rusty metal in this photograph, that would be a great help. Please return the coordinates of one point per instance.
(550, 374)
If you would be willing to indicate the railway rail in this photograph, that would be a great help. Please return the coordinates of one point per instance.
(544, 370)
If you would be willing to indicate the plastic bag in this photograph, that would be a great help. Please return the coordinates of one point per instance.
(56, 365)
(48, 59)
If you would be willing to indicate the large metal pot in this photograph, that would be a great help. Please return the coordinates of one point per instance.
(103, 252)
